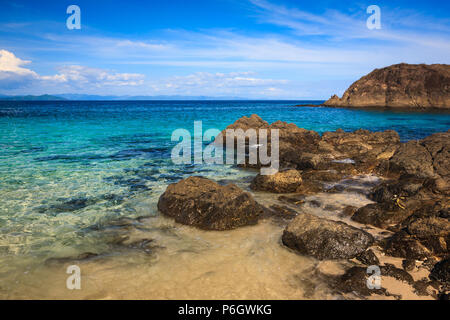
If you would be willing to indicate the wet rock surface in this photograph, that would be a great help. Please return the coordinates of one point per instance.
(325, 239)
(203, 203)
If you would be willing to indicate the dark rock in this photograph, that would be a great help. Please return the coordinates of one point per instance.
(297, 199)
(381, 215)
(441, 271)
(81, 257)
(281, 182)
(409, 264)
(203, 203)
(355, 281)
(414, 159)
(325, 239)
(421, 287)
(403, 245)
(349, 211)
(283, 211)
(315, 203)
(433, 233)
(368, 257)
(396, 273)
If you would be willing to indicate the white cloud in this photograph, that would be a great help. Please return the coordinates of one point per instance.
(13, 75)
(80, 76)
(244, 84)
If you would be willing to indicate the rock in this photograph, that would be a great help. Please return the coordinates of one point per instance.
(81, 257)
(441, 271)
(281, 182)
(432, 232)
(323, 175)
(296, 199)
(403, 245)
(414, 159)
(203, 203)
(400, 85)
(380, 215)
(325, 239)
(409, 264)
(355, 281)
(245, 123)
(310, 187)
(368, 257)
(348, 211)
(438, 145)
(283, 211)
(363, 143)
(396, 273)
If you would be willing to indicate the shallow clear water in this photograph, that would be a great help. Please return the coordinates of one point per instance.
(71, 173)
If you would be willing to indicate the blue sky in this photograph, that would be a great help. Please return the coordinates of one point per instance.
(261, 49)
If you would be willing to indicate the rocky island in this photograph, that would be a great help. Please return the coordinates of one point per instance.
(399, 86)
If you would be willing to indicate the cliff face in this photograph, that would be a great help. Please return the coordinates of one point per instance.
(400, 85)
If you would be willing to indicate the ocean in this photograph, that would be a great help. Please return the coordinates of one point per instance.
(81, 177)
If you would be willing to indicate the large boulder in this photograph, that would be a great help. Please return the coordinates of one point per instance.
(203, 203)
(400, 85)
(438, 145)
(325, 239)
(403, 245)
(414, 159)
(281, 182)
(381, 215)
(381, 145)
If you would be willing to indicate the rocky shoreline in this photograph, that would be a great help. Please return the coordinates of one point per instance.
(409, 209)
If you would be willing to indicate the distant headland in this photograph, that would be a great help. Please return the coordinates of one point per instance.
(399, 86)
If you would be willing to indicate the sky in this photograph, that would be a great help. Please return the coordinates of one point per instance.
(258, 49)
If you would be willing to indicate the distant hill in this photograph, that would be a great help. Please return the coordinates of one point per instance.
(71, 96)
(401, 85)
(44, 97)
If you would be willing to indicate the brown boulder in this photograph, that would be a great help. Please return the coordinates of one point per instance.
(414, 159)
(203, 203)
(281, 182)
(325, 239)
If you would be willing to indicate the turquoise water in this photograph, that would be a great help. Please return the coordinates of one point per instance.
(69, 170)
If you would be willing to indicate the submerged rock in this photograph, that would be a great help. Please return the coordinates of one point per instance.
(325, 239)
(205, 204)
(283, 211)
(400, 85)
(281, 182)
